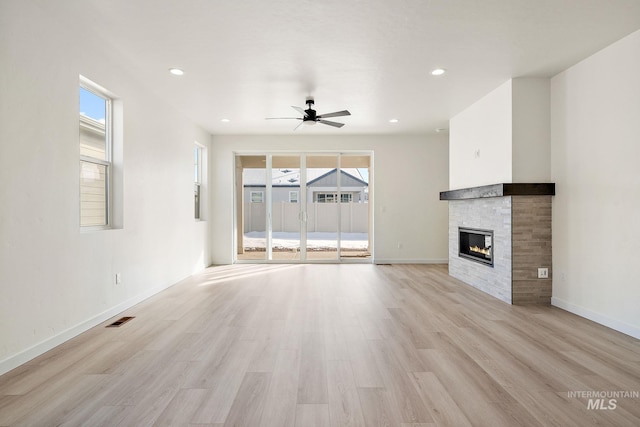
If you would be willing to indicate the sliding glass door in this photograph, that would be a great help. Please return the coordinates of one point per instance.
(323, 209)
(355, 189)
(303, 207)
(251, 208)
(286, 224)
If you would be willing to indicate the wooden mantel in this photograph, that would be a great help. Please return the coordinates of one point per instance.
(500, 190)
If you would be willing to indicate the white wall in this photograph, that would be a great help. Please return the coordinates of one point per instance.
(502, 138)
(480, 141)
(55, 281)
(409, 173)
(595, 123)
(531, 130)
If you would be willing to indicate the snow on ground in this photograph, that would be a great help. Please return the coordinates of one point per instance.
(315, 240)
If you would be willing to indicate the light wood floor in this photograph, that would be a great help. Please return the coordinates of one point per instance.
(329, 345)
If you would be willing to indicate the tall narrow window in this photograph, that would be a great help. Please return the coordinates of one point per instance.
(95, 156)
(197, 167)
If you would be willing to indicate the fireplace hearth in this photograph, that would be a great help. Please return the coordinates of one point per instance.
(476, 245)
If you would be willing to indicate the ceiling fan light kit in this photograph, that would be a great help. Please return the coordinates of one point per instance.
(310, 117)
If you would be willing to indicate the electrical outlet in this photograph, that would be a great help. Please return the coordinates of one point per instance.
(118, 278)
(543, 273)
(399, 245)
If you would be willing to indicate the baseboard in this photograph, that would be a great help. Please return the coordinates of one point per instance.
(54, 341)
(411, 261)
(607, 321)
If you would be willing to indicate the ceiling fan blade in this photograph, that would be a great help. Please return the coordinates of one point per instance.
(283, 118)
(336, 114)
(334, 124)
(299, 124)
(299, 110)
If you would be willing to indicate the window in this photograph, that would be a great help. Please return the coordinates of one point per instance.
(293, 197)
(197, 167)
(325, 198)
(333, 197)
(257, 196)
(95, 156)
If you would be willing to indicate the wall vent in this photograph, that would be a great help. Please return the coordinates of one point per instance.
(121, 321)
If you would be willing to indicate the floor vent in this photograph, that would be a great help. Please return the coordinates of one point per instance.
(121, 321)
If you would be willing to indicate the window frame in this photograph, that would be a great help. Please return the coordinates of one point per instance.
(98, 91)
(197, 164)
(297, 196)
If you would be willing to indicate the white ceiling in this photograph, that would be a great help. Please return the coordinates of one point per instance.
(249, 59)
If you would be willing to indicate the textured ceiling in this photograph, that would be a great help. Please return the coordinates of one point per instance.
(251, 59)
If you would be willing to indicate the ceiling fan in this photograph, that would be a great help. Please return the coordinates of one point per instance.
(311, 118)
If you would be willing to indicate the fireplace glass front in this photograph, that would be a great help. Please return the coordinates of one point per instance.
(476, 245)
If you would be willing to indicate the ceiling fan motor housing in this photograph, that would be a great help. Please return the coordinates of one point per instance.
(311, 114)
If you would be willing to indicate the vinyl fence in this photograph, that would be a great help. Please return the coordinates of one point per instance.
(321, 217)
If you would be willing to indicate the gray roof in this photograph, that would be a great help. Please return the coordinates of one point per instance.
(291, 177)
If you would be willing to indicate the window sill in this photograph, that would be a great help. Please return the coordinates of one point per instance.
(93, 229)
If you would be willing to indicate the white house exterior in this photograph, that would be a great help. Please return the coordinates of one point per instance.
(322, 186)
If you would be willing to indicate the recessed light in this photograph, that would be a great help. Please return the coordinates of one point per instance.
(225, 120)
(176, 71)
(438, 72)
(393, 121)
(441, 130)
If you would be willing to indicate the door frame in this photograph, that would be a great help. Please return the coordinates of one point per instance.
(239, 197)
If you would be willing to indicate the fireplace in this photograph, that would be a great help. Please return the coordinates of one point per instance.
(519, 219)
(476, 245)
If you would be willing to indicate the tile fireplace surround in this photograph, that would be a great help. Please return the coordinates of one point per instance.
(520, 217)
